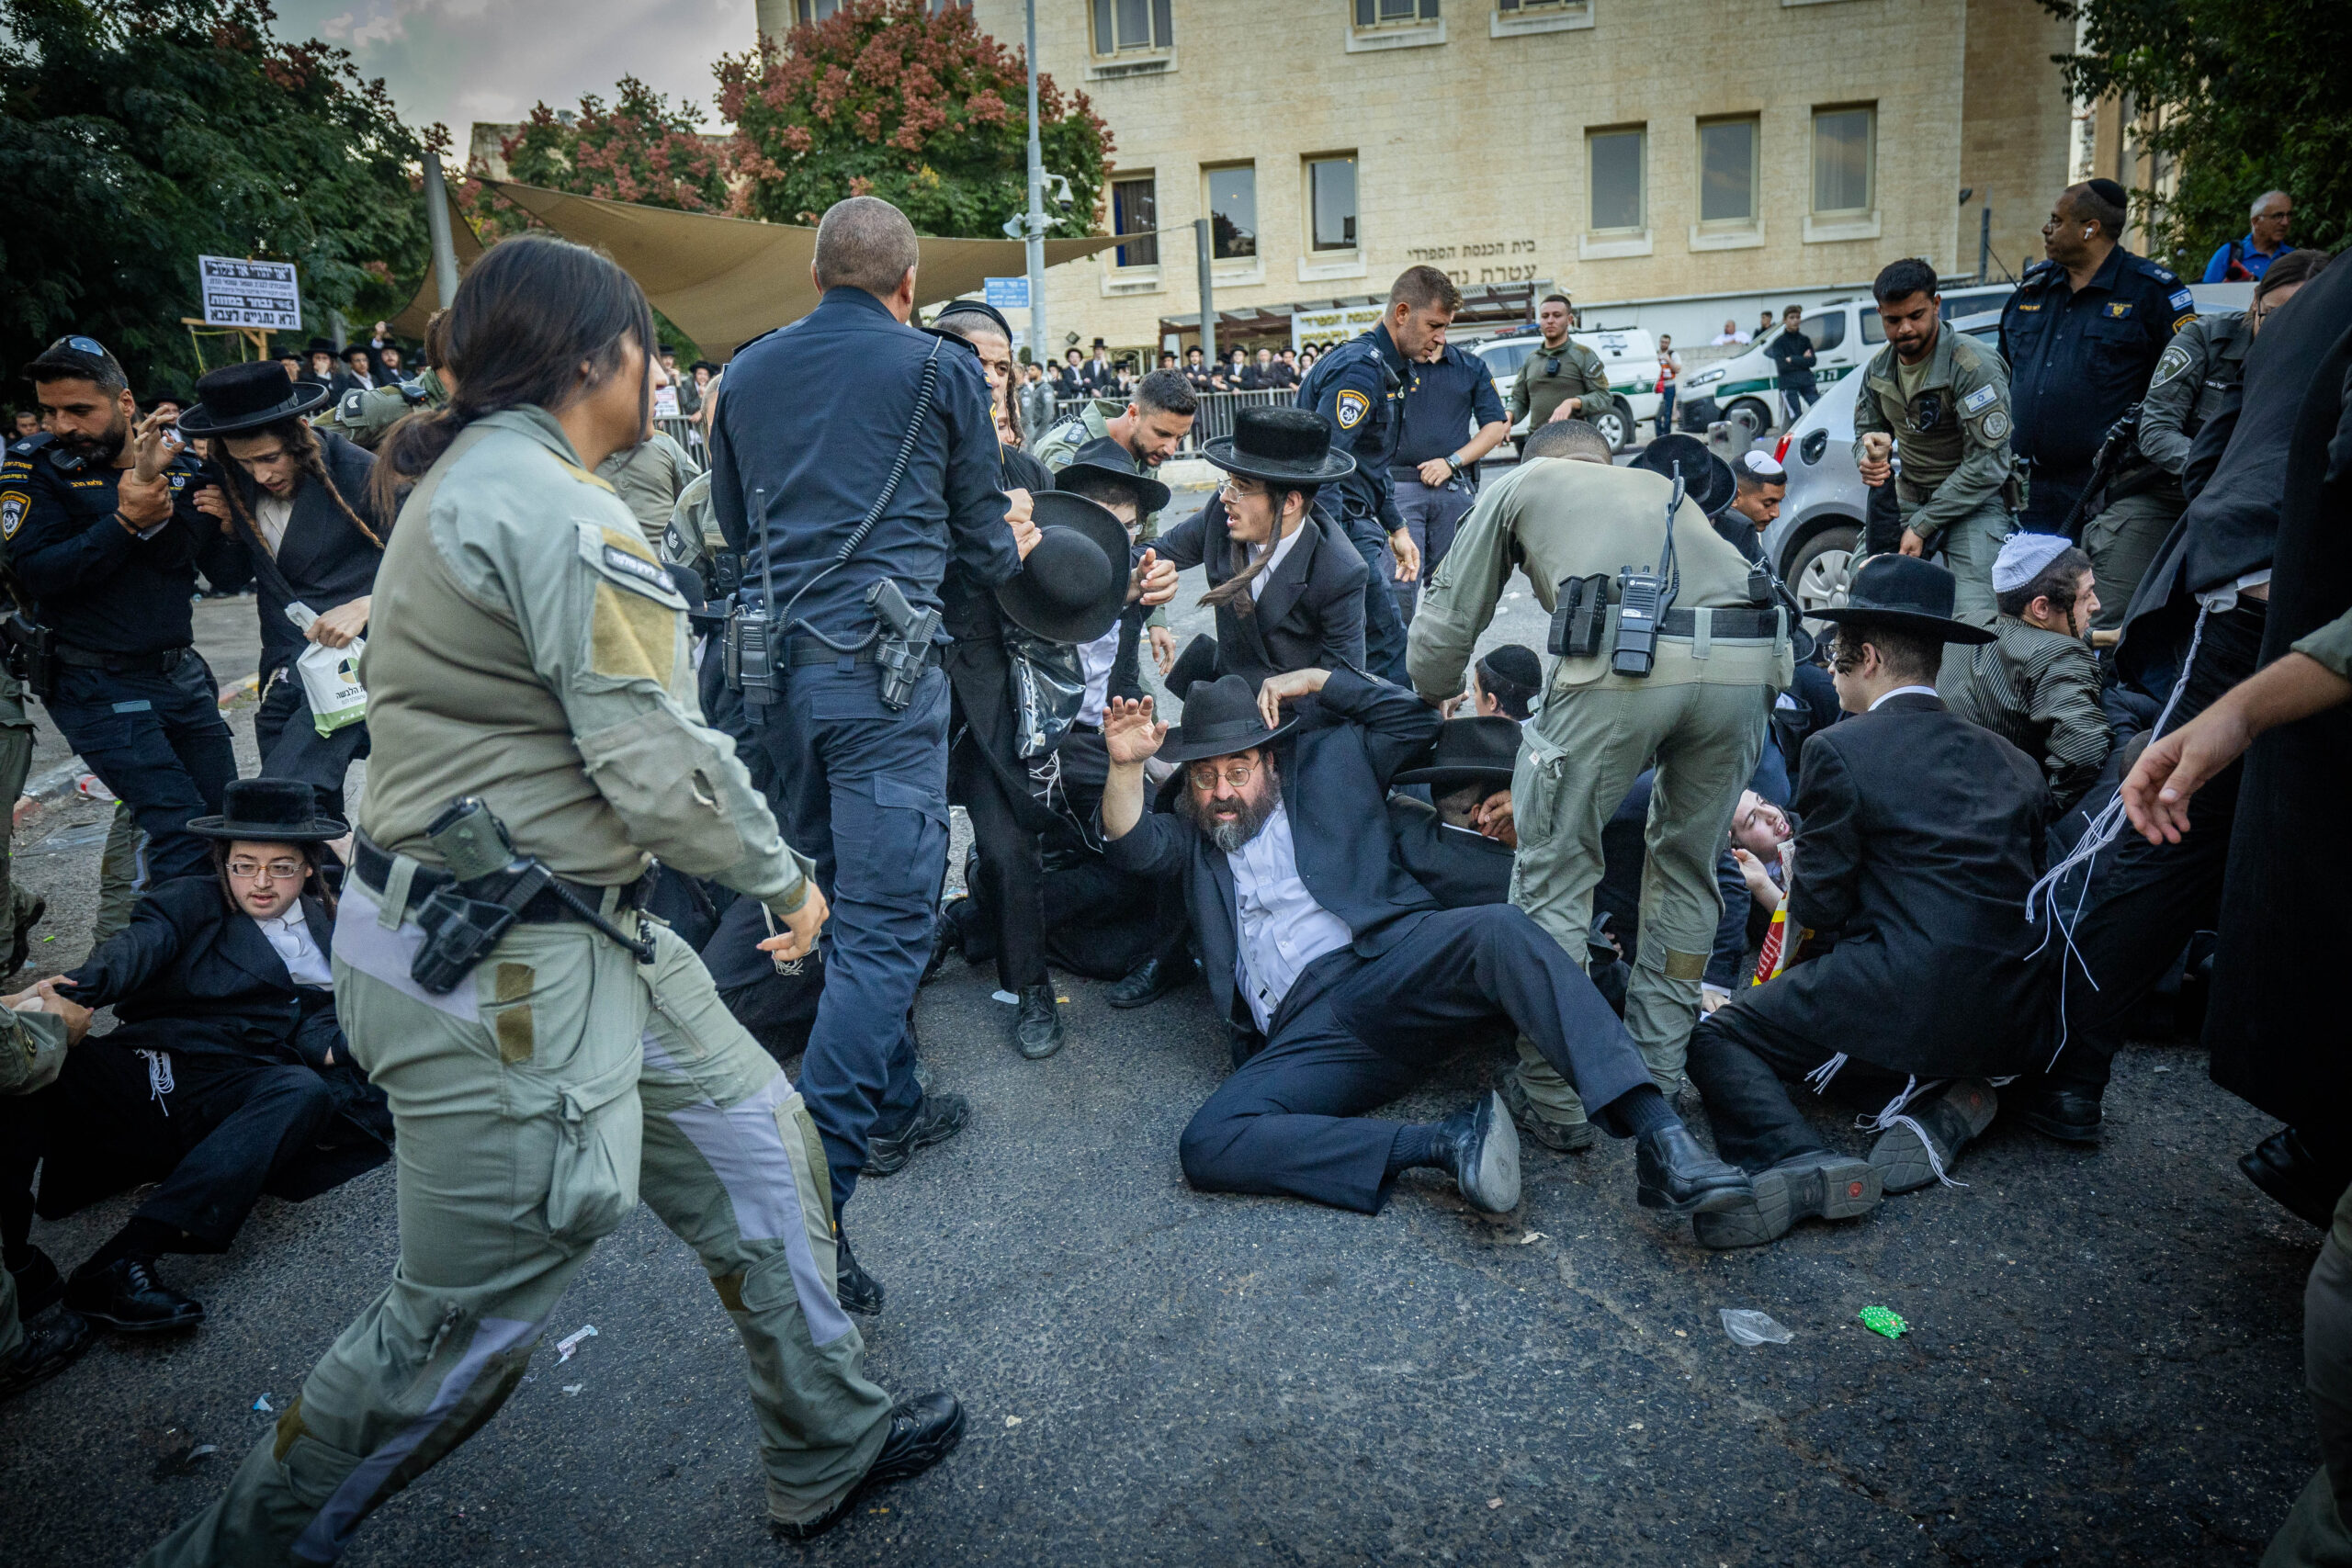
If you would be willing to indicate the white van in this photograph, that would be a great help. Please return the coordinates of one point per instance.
(1630, 354)
(1844, 333)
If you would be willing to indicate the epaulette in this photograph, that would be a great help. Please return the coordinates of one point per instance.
(30, 444)
(2041, 272)
(353, 404)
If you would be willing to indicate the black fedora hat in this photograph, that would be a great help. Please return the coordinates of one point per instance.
(1707, 479)
(1221, 718)
(270, 811)
(1106, 459)
(1476, 750)
(1281, 446)
(1906, 593)
(1074, 583)
(246, 397)
(321, 346)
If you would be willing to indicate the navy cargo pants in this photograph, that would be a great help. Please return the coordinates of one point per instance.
(1384, 624)
(862, 791)
(159, 742)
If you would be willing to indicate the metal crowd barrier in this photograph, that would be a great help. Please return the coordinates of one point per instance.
(1217, 411)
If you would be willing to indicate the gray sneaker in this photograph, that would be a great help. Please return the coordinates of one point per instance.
(1567, 1137)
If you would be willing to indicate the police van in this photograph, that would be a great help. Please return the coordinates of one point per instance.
(1844, 333)
(1630, 354)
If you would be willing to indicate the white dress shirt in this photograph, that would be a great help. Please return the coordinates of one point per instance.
(1284, 929)
(1905, 691)
(1282, 548)
(290, 935)
(1096, 659)
(273, 513)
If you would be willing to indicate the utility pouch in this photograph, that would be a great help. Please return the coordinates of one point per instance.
(1580, 616)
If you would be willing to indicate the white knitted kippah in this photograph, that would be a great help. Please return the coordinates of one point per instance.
(2023, 557)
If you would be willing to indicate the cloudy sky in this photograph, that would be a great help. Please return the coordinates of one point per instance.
(461, 61)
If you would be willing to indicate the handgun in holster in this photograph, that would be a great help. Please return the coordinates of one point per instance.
(31, 652)
(905, 647)
(490, 884)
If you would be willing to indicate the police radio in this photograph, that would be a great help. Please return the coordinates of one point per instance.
(750, 642)
(1642, 599)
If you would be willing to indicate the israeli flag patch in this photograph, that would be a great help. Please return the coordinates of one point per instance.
(1980, 400)
(2181, 299)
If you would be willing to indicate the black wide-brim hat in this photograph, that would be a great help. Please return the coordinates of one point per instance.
(1481, 748)
(1105, 458)
(270, 811)
(1280, 446)
(1906, 593)
(246, 397)
(1074, 583)
(1706, 479)
(321, 346)
(1221, 718)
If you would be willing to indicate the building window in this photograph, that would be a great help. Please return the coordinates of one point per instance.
(1124, 25)
(1513, 7)
(1233, 212)
(1727, 172)
(1842, 156)
(814, 11)
(1135, 209)
(1617, 178)
(1394, 13)
(1332, 203)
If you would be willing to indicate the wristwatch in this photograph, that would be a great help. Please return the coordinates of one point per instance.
(1454, 461)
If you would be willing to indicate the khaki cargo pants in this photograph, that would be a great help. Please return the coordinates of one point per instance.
(1698, 716)
(533, 1102)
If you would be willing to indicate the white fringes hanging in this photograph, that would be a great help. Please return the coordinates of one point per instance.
(160, 1082)
(1819, 1078)
(1892, 1116)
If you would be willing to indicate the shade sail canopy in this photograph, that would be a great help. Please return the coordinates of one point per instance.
(726, 280)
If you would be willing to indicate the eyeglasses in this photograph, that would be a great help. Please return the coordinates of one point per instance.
(275, 871)
(1231, 492)
(1205, 774)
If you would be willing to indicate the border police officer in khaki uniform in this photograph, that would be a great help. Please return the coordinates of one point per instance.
(1943, 399)
(1698, 717)
(32, 1051)
(530, 654)
(1559, 369)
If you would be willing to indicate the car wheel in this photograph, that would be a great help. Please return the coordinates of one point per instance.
(1757, 417)
(1818, 571)
(1616, 426)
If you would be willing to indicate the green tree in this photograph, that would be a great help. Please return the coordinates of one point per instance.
(886, 97)
(139, 134)
(2247, 95)
(640, 150)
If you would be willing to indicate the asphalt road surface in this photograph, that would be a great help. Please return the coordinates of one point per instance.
(2103, 1365)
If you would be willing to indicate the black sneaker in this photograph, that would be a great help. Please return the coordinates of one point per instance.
(126, 1296)
(936, 1119)
(924, 1430)
(48, 1348)
(856, 1289)
(1038, 1027)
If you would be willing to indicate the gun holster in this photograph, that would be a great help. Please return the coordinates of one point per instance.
(461, 928)
(31, 652)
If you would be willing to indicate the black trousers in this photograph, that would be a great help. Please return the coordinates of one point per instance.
(2146, 900)
(1356, 1033)
(1008, 889)
(213, 1139)
(292, 748)
(1743, 1067)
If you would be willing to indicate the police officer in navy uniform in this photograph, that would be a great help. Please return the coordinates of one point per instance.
(1452, 417)
(861, 785)
(2081, 335)
(103, 531)
(1359, 389)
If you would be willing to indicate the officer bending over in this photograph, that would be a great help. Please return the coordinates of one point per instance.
(549, 1055)
(103, 531)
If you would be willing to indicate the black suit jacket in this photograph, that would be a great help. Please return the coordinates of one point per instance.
(1350, 740)
(1921, 834)
(322, 560)
(1310, 615)
(1460, 868)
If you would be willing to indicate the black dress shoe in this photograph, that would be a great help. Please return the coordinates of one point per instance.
(2284, 1166)
(1480, 1147)
(856, 1289)
(936, 1119)
(1927, 1142)
(2069, 1115)
(1038, 1027)
(126, 1297)
(946, 937)
(48, 1348)
(924, 1430)
(1150, 980)
(1682, 1178)
(38, 1285)
(1820, 1184)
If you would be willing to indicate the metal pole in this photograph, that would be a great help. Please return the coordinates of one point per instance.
(1037, 350)
(1985, 244)
(337, 331)
(1208, 299)
(437, 225)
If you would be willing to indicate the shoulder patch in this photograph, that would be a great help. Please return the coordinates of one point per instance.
(628, 563)
(1994, 426)
(2181, 299)
(2180, 322)
(1353, 406)
(14, 504)
(2169, 364)
(353, 404)
(1980, 400)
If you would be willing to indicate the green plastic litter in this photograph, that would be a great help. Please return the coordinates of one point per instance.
(1879, 1320)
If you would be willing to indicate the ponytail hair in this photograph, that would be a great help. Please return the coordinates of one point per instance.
(1235, 590)
(530, 314)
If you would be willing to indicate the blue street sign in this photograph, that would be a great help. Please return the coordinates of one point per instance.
(1008, 293)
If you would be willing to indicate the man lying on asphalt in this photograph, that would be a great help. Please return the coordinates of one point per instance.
(1344, 981)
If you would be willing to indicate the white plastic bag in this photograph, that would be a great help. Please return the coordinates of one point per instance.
(330, 677)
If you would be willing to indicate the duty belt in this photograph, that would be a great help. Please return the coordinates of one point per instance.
(161, 663)
(807, 650)
(1734, 622)
(374, 866)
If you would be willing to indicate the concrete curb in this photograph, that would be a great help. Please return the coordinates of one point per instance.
(66, 777)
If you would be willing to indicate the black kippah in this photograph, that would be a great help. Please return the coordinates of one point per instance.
(2110, 193)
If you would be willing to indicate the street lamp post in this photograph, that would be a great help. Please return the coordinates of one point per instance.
(1036, 225)
(1208, 295)
(436, 227)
